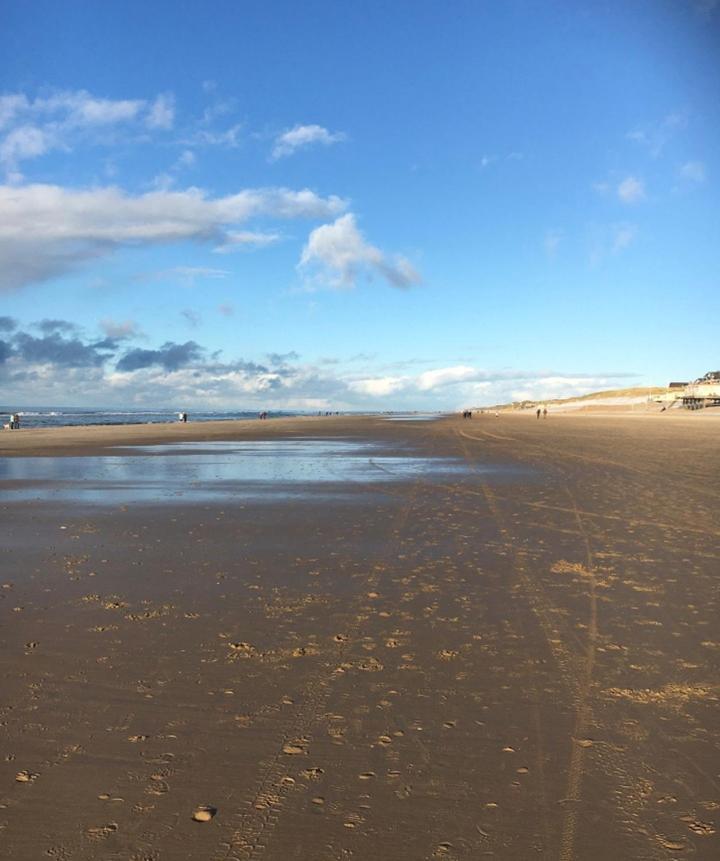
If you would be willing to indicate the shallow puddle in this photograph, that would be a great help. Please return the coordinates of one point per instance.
(277, 469)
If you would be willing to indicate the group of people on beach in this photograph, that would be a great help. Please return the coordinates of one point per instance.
(263, 415)
(182, 417)
(467, 414)
(14, 423)
(541, 412)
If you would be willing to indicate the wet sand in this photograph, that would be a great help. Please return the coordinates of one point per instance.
(488, 664)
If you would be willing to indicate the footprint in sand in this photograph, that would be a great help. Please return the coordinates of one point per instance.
(246, 648)
(295, 748)
(312, 773)
(366, 775)
(101, 832)
(157, 786)
(26, 776)
(673, 845)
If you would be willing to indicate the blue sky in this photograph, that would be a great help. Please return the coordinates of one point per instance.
(371, 205)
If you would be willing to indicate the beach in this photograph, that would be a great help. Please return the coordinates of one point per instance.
(456, 639)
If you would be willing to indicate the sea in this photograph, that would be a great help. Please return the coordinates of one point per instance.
(47, 417)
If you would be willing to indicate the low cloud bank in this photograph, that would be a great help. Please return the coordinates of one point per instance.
(54, 362)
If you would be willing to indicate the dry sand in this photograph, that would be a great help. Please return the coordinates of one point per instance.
(454, 669)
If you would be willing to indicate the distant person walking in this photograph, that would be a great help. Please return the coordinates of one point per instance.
(544, 412)
(537, 412)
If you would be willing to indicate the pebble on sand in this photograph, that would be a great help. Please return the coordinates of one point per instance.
(204, 813)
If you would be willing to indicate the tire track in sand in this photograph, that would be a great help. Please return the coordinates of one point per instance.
(614, 765)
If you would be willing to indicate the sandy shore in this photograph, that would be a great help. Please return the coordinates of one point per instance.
(504, 665)
(78, 440)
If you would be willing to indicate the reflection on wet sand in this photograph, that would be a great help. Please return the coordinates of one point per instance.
(206, 471)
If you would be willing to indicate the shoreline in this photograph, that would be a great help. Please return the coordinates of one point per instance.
(69, 438)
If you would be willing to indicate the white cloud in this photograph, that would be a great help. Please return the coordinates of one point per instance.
(631, 190)
(694, 171)
(378, 387)
(185, 159)
(25, 142)
(11, 105)
(61, 119)
(207, 137)
(161, 114)
(80, 108)
(623, 236)
(654, 137)
(237, 239)
(300, 137)
(552, 241)
(188, 275)
(48, 230)
(609, 240)
(441, 377)
(337, 255)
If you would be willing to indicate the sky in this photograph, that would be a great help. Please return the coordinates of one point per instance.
(322, 205)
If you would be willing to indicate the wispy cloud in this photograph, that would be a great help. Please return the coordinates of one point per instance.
(631, 190)
(693, 171)
(654, 137)
(229, 137)
(187, 275)
(301, 137)
(161, 113)
(120, 329)
(238, 239)
(552, 241)
(192, 317)
(337, 255)
(609, 240)
(58, 121)
(623, 236)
